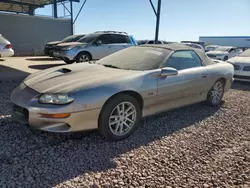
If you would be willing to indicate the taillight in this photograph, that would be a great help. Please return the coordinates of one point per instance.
(8, 46)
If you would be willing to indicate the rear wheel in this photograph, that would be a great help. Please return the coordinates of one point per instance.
(216, 93)
(119, 117)
(83, 57)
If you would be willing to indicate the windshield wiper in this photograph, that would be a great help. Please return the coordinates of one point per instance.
(111, 66)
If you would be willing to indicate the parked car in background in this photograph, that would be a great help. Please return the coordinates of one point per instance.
(50, 46)
(93, 46)
(113, 93)
(195, 42)
(141, 42)
(5, 47)
(224, 52)
(194, 46)
(209, 48)
(241, 65)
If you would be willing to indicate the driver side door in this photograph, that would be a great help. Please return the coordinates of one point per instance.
(99, 51)
(188, 86)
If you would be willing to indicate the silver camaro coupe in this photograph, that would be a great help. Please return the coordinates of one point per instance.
(115, 92)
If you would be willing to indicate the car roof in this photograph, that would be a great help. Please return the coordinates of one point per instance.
(179, 46)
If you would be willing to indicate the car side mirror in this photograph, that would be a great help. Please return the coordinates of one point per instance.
(168, 71)
(98, 42)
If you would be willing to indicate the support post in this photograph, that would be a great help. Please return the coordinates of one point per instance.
(71, 14)
(55, 8)
(157, 21)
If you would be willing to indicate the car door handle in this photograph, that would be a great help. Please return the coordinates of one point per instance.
(204, 75)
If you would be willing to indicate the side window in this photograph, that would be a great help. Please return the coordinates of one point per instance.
(106, 39)
(183, 60)
(119, 39)
(125, 39)
(232, 50)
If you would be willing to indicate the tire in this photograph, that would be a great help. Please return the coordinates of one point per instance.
(110, 131)
(225, 58)
(83, 57)
(216, 93)
(69, 61)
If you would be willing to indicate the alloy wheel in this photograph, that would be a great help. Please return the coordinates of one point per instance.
(217, 92)
(122, 118)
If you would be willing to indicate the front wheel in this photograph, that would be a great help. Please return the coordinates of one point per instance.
(216, 93)
(225, 58)
(83, 57)
(119, 117)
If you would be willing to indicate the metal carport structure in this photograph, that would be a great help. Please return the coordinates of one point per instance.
(29, 6)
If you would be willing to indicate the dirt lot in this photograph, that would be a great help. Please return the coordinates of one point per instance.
(195, 146)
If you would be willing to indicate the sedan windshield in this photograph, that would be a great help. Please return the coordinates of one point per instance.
(246, 53)
(136, 58)
(223, 49)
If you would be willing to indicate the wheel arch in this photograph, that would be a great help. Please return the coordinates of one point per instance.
(131, 93)
(84, 51)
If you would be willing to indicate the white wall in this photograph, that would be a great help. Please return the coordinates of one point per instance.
(29, 34)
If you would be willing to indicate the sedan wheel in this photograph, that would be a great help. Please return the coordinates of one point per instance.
(122, 118)
(216, 93)
(119, 117)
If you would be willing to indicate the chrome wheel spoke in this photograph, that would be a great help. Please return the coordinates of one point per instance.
(122, 118)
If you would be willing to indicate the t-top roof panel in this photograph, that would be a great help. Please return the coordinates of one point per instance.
(25, 6)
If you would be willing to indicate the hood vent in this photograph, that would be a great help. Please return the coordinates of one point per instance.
(63, 70)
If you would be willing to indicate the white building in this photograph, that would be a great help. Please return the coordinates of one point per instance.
(239, 41)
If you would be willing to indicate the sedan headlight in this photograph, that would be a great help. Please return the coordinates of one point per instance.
(56, 98)
(67, 48)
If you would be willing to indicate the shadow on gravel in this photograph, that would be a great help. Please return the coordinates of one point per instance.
(42, 59)
(239, 85)
(2, 59)
(45, 66)
(8, 73)
(31, 158)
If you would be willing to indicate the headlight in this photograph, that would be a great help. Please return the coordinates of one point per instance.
(67, 48)
(56, 98)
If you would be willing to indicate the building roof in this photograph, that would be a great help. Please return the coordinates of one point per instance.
(24, 6)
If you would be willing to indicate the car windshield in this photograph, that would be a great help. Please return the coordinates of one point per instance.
(246, 53)
(223, 48)
(88, 38)
(136, 58)
(69, 38)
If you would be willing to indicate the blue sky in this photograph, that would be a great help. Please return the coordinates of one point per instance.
(180, 19)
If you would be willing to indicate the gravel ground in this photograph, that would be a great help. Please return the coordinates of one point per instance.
(193, 146)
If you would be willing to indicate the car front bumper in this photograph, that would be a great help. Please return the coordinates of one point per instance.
(6, 53)
(65, 55)
(242, 75)
(27, 110)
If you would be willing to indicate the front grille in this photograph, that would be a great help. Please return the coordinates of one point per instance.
(242, 77)
(210, 55)
(58, 48)
(246, 68)
(236, 67)
(20, 114)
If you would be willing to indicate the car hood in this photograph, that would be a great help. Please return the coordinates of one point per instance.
(216, 52)
(53, 43)
(72, 77)
(237, 59)
(70, 44)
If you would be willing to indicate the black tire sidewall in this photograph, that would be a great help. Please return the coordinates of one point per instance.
(225, 58)
(80, 54)
(209, 96)
(103, 124)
